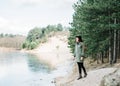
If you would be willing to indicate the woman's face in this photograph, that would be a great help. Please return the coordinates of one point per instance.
(77, 39)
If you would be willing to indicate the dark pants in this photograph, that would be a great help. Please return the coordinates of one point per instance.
(80, 67)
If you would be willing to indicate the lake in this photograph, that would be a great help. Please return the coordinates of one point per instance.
(23, 69)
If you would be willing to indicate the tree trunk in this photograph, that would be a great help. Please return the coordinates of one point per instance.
(115, 44)
(98, 56)
(118, 49)
(102, 57)
(106, 55)
(110, 41)
(110, 48)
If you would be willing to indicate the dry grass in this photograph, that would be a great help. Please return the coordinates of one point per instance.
(12, 42)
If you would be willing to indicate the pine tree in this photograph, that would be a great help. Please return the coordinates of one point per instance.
(98, 22)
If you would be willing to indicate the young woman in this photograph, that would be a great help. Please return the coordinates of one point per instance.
(79, 56)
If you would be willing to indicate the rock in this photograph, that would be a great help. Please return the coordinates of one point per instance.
(53, 81)
(41, 79)
(112, 79)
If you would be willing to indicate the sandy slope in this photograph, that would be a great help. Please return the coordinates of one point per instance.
(54, 51)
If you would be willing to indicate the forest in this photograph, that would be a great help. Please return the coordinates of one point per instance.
(98, 22)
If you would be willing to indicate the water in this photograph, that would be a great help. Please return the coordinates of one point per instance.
(23, 69)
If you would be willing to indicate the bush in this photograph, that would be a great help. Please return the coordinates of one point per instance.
(43, 40)
(33, 45)
(24, 45)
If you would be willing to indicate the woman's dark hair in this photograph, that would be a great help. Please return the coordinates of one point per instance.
(80, 38)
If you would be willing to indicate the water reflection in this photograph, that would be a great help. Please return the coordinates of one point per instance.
(22, 69)
(35, 65)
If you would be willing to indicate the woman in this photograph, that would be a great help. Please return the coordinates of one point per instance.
(79, 56)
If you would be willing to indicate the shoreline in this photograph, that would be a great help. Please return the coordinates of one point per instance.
(4, 49)
(52, 58)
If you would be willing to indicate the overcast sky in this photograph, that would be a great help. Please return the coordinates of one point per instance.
(19, 16)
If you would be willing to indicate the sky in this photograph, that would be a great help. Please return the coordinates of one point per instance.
(19, 16)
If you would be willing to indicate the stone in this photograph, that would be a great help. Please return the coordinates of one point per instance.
(112, 79)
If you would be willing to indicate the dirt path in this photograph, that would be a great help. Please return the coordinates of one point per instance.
(94, 77)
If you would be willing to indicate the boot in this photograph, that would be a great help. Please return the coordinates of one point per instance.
(85, 75)
(79, 77)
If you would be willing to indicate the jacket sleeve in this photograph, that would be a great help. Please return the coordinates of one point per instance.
(74, 51)
(82, 53)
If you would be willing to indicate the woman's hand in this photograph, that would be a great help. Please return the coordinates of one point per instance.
(81, 58)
